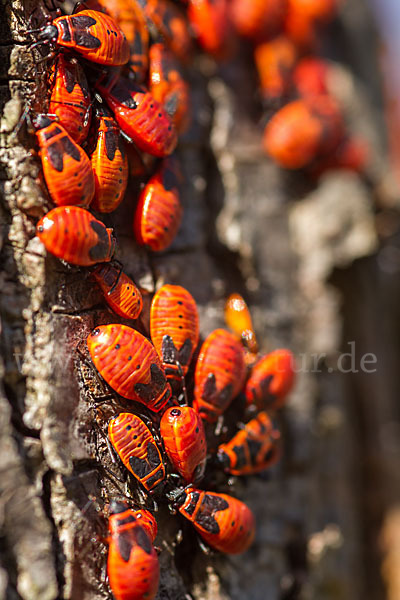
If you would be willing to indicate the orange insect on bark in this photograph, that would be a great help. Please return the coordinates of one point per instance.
(119, 291)
(70, 97)
(168, 86)
(238, 318)
(184, 440)
(303, 130)
(132, 565)
(253, 449)
(74, 235)
(174, 328)
(109, 164)
(136, 447)
(66, 167)
(129, 364)
(270, 380)
(219, 374)
(225, 523)
(158, 212)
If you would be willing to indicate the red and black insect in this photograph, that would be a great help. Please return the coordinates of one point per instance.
(137, 448)
(158, 212)
(70, 97)
(304, 130)
(168, 86)
(184, 441)
(171, 23)
(174, 328)
(140, 117)
(66, 167)
(238, 318)
(109, 164)
(94, 35)
(132, 22)
(225, 523)
(119, 291)
(74, 235)
(219, 374)
(253, 449)
(132, 566)
(210, 20)
(270, 380)
(129, 364)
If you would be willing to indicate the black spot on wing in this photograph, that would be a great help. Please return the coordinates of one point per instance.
(185, 353)
(254, 449)
(240, 457)
(82, 21)
(55, 155)
(149, 391)
(52, 133)
(70, 148)
(139, 466)
(86, 40)
(153, 456)
(194, 498)
(122, 93)
(142, 539)
(69, 77)
(209, 389)
(125, 542)
(111, 138)
(101, 250)
(225, 397)
(66, 31)
(168, 350)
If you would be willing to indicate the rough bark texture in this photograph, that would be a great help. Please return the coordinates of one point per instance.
(297, 252)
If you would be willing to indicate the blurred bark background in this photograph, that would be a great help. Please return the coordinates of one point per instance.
(319, 265)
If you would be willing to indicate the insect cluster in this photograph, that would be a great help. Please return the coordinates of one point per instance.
(118, 104)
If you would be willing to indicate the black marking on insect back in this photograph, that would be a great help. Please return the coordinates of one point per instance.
(126, 520)
(125, 541)
(53, 132)
(142, 539)
(139, 466)
(185, 353)
(153, 456)
(266, 397)
(240, 456)
(155, 479)
(168, 350)
(102, 249)
(82, 21)
(121, 92)
(66, 31)
(194, 498)
(210, 388)
(225, 397)
(69, 77)
(86, 40)
(70, 148)
(111, 139)
(149, 391)
(121, 145)
(209, 506)
(55, 155)
(254, 449)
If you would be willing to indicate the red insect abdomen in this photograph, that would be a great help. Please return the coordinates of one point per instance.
(110, 167)
(158, 212)
(184, 440)
(129, 364)
(137, 449)
(219, 374)
(174, 313)
(271, 379)
(66, 167)
(140, 117)
(120, 293)
(70, 98)
(224, 522)
(74, 235)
